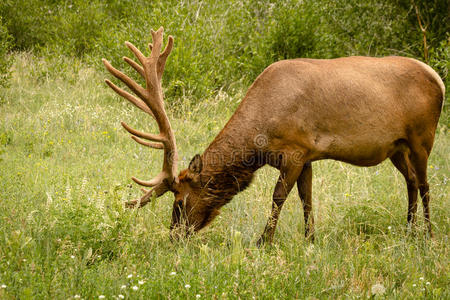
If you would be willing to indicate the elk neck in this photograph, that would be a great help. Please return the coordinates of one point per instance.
(229, 164)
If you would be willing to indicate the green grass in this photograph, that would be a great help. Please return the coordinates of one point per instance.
(65, 168)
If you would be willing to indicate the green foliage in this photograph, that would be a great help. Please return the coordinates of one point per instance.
(435, 18)
(440, 60)
(5, 60)
(296, 29)
(372, 27)
(223, 45)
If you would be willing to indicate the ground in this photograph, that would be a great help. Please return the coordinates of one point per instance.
(65, 173)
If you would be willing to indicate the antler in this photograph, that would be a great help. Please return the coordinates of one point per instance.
(150, 101)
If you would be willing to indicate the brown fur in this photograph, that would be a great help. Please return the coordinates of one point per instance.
(360, 110)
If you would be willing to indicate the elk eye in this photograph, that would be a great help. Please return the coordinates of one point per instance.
(180, 203)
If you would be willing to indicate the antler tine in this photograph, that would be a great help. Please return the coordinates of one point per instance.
(151, 102)
(157, 37)
(136, 52)
(153, 182)
(156, 192)
(144, 135)
(155, 49)
(135, 66)
(163, 57)
(137, 102)
(148, 144)
(138, 90)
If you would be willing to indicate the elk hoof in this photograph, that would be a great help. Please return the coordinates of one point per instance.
(259, 243)
(309, 236)
(263, 241)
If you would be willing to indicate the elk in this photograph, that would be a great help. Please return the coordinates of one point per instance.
(359, 110)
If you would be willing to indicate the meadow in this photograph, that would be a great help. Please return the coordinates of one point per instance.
(66, 166)
(66, 163)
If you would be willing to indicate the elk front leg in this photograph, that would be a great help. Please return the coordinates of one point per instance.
(284, 185)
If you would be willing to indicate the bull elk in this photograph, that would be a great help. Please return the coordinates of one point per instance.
(359, 110)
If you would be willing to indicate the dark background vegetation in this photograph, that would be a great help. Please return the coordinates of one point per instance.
(222, 44)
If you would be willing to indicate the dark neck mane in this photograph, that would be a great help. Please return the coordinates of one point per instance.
(219, 187)
(228, 167)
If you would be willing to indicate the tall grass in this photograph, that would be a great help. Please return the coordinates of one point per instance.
(65, 168)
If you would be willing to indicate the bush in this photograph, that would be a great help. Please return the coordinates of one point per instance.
(440, 61)
(5, 60)
(224, 45)
(296, 30)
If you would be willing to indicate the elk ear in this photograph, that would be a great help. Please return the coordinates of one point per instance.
(196, 164)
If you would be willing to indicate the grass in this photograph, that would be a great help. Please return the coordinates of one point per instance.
(65, 173)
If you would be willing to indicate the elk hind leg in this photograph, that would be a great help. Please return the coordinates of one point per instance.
(419, 159)
(402, 162)
(304, 186)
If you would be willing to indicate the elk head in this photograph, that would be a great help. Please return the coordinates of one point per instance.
(189, 211)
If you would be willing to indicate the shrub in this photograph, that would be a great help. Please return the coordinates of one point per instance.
(223, 45)
(5, 60)
(296, 30)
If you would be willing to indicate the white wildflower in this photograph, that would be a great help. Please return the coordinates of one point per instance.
(101, 297)
(378, 289)
(129, 276)
(188, 286)
(428, 283)
(135, 288)
(421, 278)
(77, 297)
(389, 227)
(141, 282)
(173, 273)
(72, 256)
(3, 286)
(197, 296)
(121, 296)
(123, 287)
(414, 285)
